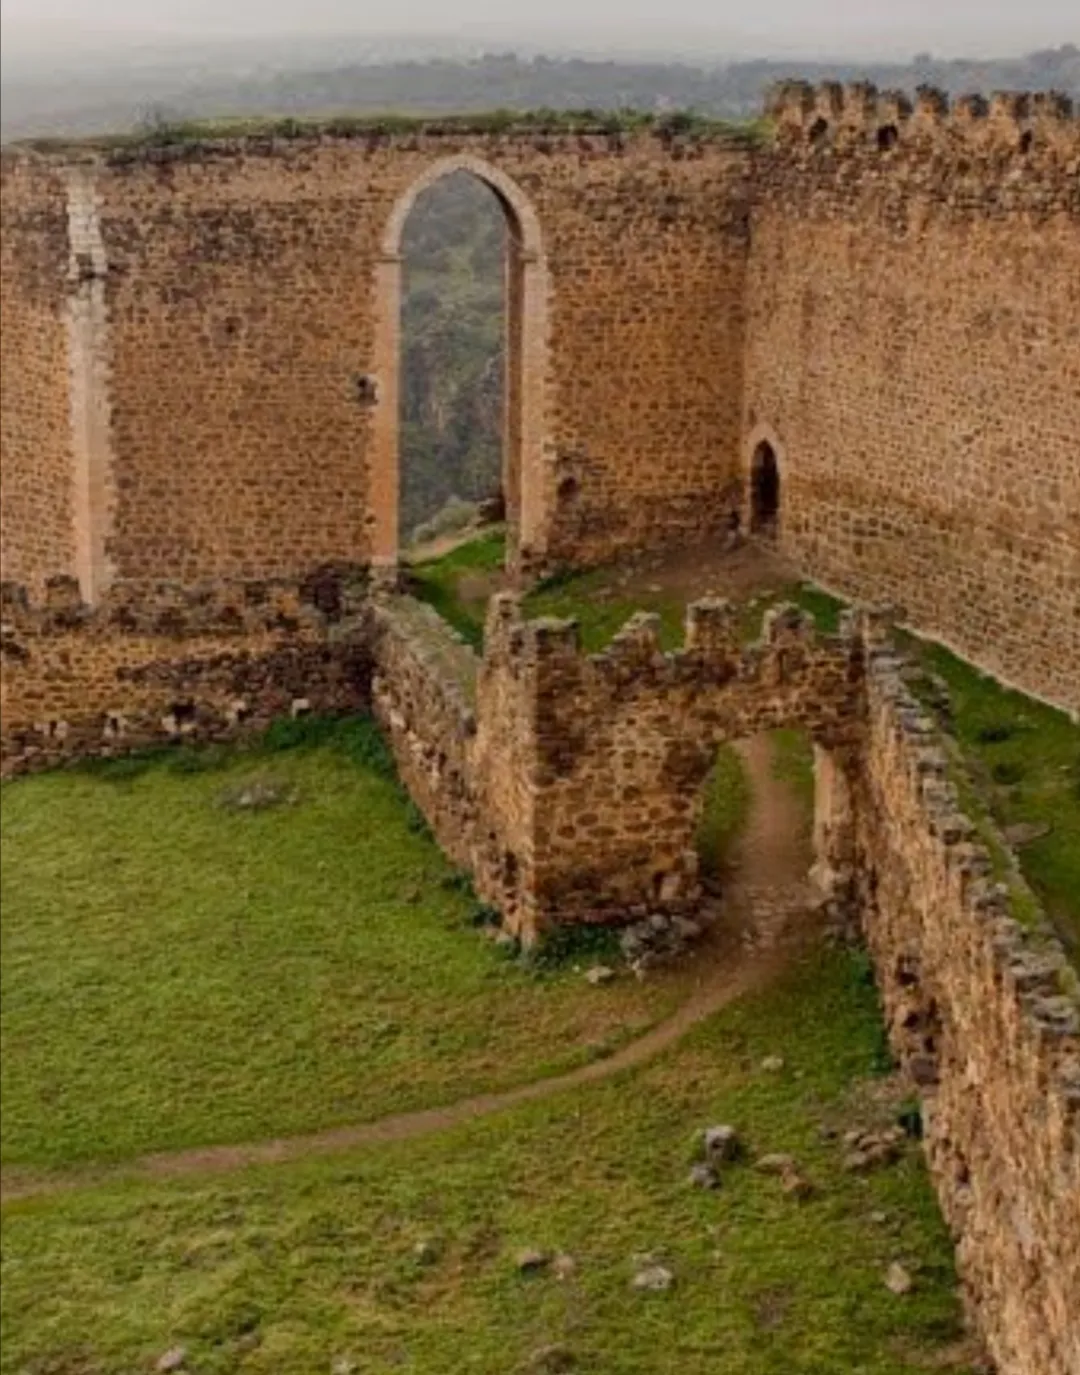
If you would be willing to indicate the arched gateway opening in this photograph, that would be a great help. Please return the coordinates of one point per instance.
(764, 491)
(519, 357)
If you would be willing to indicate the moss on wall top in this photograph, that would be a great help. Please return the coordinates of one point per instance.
(188, 139)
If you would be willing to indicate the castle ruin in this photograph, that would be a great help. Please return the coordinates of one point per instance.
(859, 337)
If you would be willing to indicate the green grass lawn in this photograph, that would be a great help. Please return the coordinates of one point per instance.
(726, 805)
(314, 1266)
(177, 971)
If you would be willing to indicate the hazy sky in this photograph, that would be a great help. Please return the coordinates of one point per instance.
(972, 26)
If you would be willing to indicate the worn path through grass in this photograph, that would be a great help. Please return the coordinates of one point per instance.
(405, 1259)
(178, 971)
(767, 855)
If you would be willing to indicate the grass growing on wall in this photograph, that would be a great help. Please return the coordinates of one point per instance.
(192, 134)
(180, 968)
(404, 1258)
(1024, 758)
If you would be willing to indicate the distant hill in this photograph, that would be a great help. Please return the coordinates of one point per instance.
(96, 100)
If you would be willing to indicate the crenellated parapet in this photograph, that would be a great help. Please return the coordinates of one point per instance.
(150, 665)
(831, 115)
(788, 655)
(177, 610)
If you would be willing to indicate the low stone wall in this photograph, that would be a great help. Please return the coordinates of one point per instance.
(983, 1013)
(202, 665)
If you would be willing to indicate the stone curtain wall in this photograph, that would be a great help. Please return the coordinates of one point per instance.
(913, 353)
(245, 293)
(36, 466)
(888, 296)
(137, 672)
(983, 1011)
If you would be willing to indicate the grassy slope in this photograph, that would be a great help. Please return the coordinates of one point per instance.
(288, 1269)
(178, 973)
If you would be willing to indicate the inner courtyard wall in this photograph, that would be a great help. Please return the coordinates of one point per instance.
(913, 356)
(37, 534)
(247, 342)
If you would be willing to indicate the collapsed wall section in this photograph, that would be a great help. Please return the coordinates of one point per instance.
(982, 1010)
(913, 357)
(37, 538)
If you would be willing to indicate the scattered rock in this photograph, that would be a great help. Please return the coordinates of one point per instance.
(426, 1252)
(343, 1365)
(879, 1218)
(658, 937)
(173, 1359)
(722, 1143)
(772, 1064)
(256, 795)
(563, 1266)
(796, 1185)
(530, 1260)
(654, 1279)
(897, 1279)
(552, 1359)
(599, 974)
(869, 1149)
(775, 1163)
(703, 1176)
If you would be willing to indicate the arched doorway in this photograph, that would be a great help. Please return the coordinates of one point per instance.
(524, 365)
(453, 359)
(764, 491)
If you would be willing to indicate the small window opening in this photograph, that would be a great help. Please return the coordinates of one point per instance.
(764, 491)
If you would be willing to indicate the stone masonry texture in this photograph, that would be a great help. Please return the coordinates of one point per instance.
(886, 295)
(199, 476)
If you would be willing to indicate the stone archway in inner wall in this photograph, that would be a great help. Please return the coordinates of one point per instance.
(526, 326)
